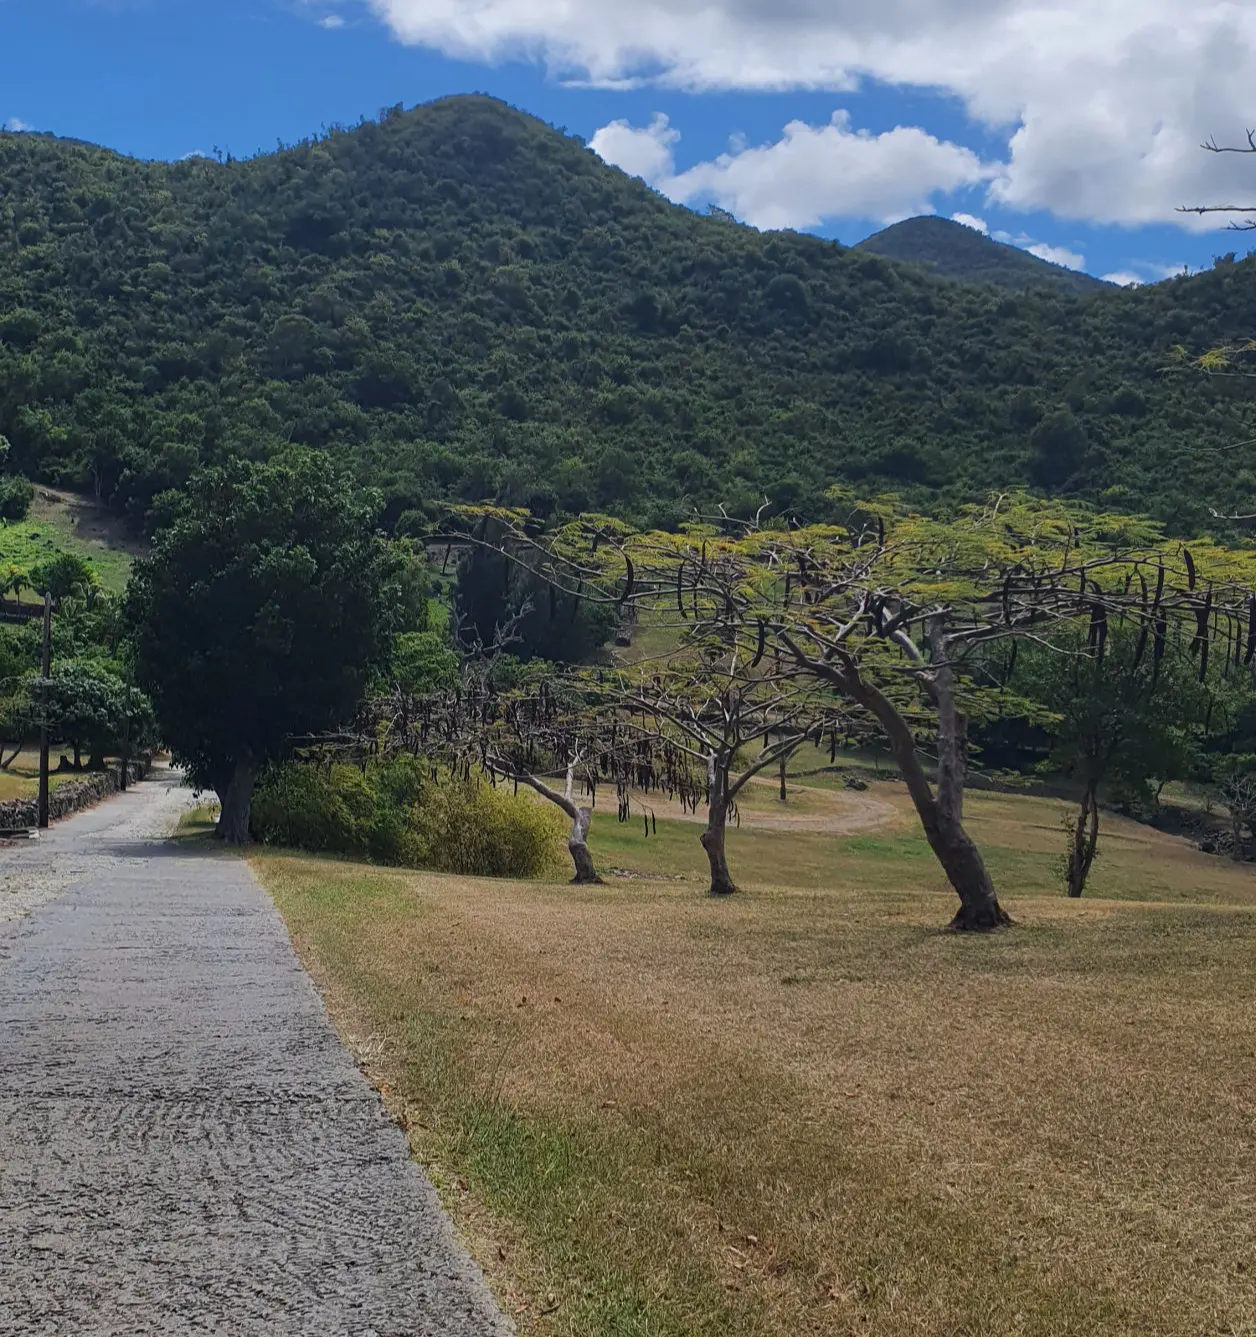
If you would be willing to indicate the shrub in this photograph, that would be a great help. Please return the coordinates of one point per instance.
(471, 828)
(394, 813)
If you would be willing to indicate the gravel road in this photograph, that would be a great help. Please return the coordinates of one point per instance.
(185, 1145)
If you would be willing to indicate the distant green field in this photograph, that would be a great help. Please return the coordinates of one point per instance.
(59, 524)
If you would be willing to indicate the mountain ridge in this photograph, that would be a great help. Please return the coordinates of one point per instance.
(459, 301)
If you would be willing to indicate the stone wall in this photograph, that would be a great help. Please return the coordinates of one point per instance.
(69, 798)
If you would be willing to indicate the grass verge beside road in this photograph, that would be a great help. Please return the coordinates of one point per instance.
(808, 1110)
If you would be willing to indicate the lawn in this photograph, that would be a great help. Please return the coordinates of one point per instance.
(21, 780)
(64, 522)
(807, 1109)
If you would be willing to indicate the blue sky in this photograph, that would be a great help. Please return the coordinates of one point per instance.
(1075, 132)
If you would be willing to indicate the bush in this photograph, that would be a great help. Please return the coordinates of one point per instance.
(471, 828)
(395, 813)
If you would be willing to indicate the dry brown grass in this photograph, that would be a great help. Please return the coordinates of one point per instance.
(808, 1110)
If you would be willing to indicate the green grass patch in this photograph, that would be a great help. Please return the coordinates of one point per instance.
(78, 527)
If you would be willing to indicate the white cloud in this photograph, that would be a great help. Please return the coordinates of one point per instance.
(1124, 278)
(331, 21)
(645, 153)
(1057, 255)
(972, 221)
(1104, 102)
(1169, 271)
(809, 174)
(15, 126)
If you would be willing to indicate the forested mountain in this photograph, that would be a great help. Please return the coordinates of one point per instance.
(468, 303)
(954, 251)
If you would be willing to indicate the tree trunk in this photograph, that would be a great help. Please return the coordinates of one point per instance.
(4, 765)
(578, 847)
(784, 778)
(78, 758)
(943, 820)
(941, 817)
(1081, 855)
(722, 883)
(237, 804)
(581, 819)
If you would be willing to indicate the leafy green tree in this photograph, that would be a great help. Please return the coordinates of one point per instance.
(66, 576)
(89, 707)
(423, 662)
(16, 495)
(1119, 715)
(261, 614)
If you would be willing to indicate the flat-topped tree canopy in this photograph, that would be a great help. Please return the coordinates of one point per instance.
(895, 612)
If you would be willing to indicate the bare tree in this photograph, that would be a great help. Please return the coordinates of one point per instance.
(1247, 224)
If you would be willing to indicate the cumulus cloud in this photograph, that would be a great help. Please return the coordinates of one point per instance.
(1057, 255)
(1104, 102)
(972, 221)
(811, 173)
(16, 126)
(1123, 278)
(331, 21)
(647, 153)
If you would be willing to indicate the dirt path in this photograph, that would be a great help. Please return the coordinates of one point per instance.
(185, 1146)
(825, 811)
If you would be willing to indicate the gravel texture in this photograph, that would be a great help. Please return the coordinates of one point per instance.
(185, 1145)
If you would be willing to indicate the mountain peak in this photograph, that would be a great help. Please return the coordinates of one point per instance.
(955, 251)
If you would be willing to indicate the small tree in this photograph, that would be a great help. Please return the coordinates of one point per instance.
(531, 732)
(1119, 716)
(260, 614)
(707, 704)
(66, 576)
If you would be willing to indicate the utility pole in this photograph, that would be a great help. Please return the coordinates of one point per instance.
(126, 732)
(43, 714)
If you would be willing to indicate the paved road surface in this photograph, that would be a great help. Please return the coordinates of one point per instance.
(185, 1146)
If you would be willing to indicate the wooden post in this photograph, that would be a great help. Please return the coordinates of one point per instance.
(43, 715)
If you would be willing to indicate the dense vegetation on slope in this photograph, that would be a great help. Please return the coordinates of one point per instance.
(464, 302)
(954, 251)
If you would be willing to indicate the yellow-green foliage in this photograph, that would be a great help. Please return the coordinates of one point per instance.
(395, 813)
(469, 827)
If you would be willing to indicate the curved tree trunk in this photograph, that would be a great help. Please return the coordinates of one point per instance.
(237, 804)
(581, 819)
(1081, 855)
(578, 848)
(957, 852)
(941, 816)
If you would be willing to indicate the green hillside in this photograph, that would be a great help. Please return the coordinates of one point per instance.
(954, 251)
(468, 303)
